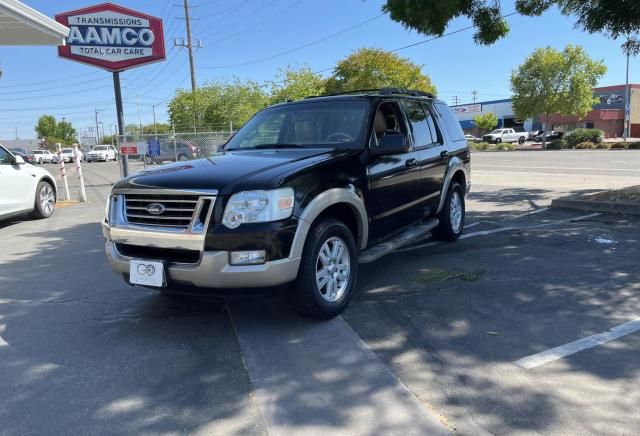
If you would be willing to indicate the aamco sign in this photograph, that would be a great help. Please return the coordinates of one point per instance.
(112, 37)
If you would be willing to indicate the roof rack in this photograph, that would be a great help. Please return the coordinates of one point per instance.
(381, 91)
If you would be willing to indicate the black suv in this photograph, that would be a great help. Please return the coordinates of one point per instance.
(302, 194)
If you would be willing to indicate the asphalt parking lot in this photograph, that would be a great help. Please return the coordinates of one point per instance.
(440, 337)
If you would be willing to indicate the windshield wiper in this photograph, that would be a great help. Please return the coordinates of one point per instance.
(263, 146)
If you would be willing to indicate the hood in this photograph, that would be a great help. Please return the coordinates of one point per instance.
(227, 170)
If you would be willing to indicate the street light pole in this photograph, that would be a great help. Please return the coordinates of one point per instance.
(97, 131)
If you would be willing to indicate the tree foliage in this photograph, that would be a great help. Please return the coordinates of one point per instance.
(219, 105)
(54, 131)
(291, 84)
(552, 82)
(614, 18)
(370, 68)
(486, 121)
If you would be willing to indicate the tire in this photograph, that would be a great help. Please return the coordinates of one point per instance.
(45, 201)
(498, 140)
(325, 302)
(148, 160)
(521, 140)
(182, 157)
(451, 221)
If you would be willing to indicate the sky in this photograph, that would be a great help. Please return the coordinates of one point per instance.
(238, 35)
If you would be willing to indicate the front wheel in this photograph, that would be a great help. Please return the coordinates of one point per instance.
(45, 201)
(328, 271)
(498, 140)
(452, 215)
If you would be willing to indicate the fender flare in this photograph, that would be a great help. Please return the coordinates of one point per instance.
(319, 204)
(455, 165)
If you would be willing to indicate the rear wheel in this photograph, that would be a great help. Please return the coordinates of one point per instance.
(45, 201)
(521, 140)
(452, 215)
(182, 157)
(328, 271)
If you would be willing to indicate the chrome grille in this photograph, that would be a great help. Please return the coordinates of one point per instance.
(179, 210)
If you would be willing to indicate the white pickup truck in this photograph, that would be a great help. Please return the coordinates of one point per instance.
(505, 135)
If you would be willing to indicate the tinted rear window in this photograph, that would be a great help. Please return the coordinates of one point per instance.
(451, 124)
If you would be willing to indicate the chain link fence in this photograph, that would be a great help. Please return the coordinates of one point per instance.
(153, 150)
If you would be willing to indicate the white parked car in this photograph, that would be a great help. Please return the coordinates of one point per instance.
(67, 154)
(102, 153)
(25, 188)
(505, 135)
(42, 156)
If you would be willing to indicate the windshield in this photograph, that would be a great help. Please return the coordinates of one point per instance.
(100, 148)
(37, 152)
(330, 124)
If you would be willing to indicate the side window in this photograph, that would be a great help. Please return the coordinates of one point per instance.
(451, 124)
(387, 121)
(419, 124)
(5, 158)
(435, 130)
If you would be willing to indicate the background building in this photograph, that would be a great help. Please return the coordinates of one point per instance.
(607, 115)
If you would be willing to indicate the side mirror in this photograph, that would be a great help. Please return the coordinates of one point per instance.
(18, 160)
(391, 144)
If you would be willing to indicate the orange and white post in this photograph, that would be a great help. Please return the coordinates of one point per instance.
(63, 173)
(77, 159)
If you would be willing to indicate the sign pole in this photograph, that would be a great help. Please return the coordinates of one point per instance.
(124, 159)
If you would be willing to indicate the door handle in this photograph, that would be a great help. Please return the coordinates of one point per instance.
(444, 153)
(410, 163)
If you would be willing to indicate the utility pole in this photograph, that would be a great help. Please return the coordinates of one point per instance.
(456, 100)
(139, 112)
(155, 127)
(474, 95)
(17, 136)
(189, 45)
(97, 131)
(627, 105)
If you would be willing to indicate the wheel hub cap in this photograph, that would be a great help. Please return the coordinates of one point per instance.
(333, 269)
(455, 208)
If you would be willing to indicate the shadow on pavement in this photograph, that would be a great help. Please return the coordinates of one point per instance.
(82, 352)
(453, 341)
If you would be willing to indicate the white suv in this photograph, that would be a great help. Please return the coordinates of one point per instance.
(67, 154)
(505, 135)
(24, 188)
(102, 152)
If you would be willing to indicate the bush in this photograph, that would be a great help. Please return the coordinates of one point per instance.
(479, 146)
(556, 144)
(578, 136)
(503, 146)
(634, 145)
(619, 146)
(585, 145)
(603, 145)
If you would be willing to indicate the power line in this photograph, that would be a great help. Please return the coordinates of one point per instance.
(280, 12)
(52, 81)
(232, 24)
(333, 35)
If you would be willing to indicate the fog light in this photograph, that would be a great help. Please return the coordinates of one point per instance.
(255, 257)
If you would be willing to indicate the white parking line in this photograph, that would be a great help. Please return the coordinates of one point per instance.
(499, 230)
(556, 353)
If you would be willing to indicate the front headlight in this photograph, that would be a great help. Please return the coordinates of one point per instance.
(258, 207)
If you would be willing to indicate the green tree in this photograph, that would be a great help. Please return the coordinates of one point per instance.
(370, 68)
(55, 131)
(552, 82)
(292, 84)
(221, 104)
(614, 18)
(486, 121)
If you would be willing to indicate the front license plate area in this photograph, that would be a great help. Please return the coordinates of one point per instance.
(147, 273)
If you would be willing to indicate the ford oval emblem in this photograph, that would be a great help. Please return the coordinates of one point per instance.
(156, 208)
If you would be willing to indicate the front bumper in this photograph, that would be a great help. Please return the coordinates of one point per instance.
(213, 271)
